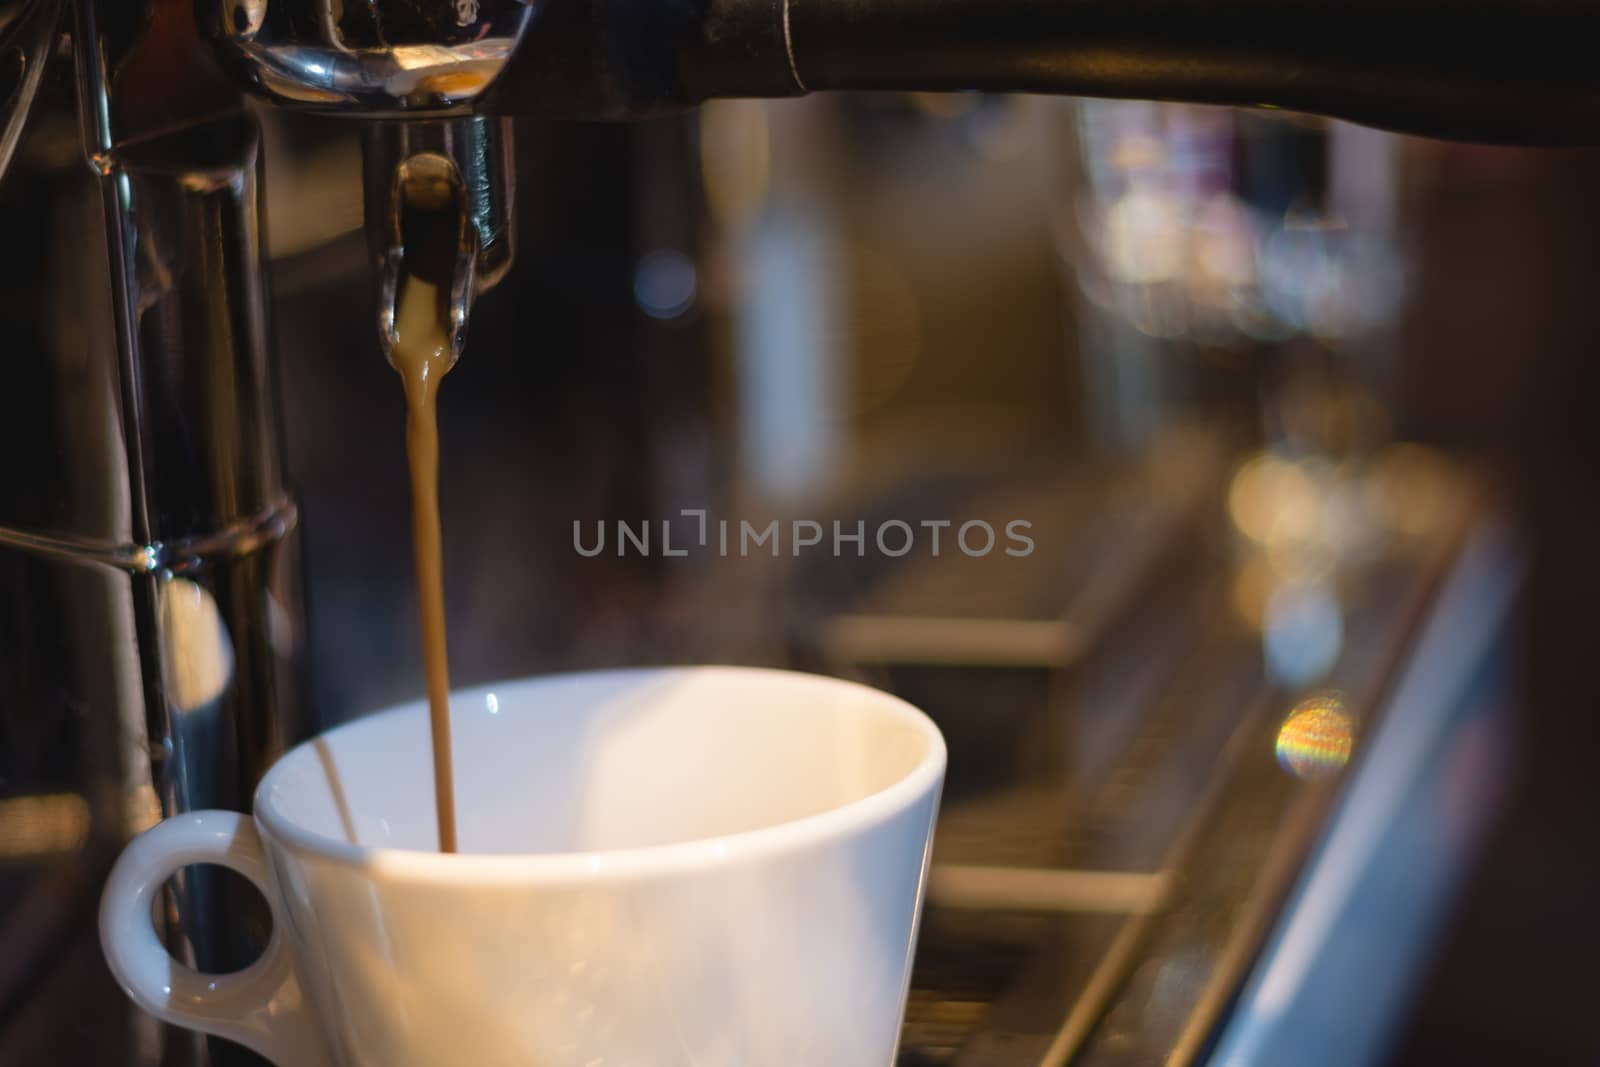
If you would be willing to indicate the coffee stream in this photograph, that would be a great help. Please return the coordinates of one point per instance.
(422, 354)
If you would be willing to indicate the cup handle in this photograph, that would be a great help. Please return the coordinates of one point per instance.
(261, 1007)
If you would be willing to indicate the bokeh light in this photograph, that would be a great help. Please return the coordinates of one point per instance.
(1316, 740)
(1304, 632)
(197, 653)
(1273, 496)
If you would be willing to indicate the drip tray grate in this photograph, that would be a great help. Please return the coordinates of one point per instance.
(965, 963)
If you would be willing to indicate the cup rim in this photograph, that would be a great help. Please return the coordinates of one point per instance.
(415, 865)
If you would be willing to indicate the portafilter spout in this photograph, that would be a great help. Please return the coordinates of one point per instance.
(416, 69)
(416, 170)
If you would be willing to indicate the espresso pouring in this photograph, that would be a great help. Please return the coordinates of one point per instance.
(422, 355)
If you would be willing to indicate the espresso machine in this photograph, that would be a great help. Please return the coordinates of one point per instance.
(151, 584)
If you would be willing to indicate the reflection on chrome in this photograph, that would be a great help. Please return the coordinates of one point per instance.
(42, 825)
(1316, 739)
(299, 53)
(198, 654)
(141, 809)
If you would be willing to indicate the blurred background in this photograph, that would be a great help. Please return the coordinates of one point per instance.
(1273, 749)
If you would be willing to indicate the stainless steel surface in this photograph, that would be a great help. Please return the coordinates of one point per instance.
(199, 414)
(146, 529)
(1119, 904)
(425, 56)
(27, 33)
(1396, 845)
(473, 155)
(71, 683)
(1117, 838)
(142, 71)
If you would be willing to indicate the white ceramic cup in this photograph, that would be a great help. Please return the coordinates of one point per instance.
(707, 866)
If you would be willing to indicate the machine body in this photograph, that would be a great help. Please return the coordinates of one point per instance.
(173, 540)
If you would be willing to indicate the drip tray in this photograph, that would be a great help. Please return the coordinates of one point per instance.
(1118, 834)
